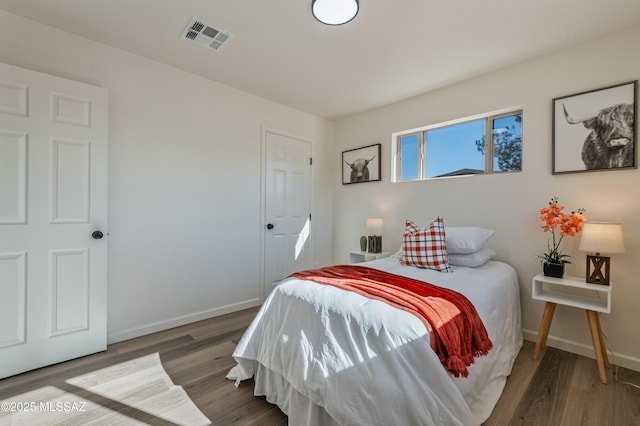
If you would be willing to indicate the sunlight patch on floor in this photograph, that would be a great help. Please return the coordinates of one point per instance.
(133, 392)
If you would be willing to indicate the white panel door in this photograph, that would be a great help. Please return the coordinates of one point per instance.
(287, 207)
(53, 200)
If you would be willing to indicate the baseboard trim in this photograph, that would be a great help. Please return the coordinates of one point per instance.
(143, 330)
(578, 348)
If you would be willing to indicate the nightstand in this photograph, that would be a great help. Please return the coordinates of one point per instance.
(593, 298)
(357, 256)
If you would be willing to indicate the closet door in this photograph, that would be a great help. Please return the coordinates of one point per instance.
(53, 219)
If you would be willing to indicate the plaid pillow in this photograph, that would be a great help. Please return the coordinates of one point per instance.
(426, 248)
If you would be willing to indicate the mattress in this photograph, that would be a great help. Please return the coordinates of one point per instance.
(327, 356)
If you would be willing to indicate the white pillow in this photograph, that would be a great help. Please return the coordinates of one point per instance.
(466, 239)
(472, 260)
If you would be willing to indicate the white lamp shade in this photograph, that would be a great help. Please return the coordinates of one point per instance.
(375, 225)
(334, 12)
(601, 237)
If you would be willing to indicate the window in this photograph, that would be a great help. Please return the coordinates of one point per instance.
(460, 148)
(410, 154)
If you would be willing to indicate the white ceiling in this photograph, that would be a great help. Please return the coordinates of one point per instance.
(394, 49)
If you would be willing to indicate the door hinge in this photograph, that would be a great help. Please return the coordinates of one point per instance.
(311, 161)
(309, 217)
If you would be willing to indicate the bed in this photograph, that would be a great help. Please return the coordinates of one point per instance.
(326, 356)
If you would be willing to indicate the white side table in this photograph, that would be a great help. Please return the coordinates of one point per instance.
(593, 298)
(357, 256)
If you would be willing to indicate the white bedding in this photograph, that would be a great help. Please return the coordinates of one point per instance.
(326, 356)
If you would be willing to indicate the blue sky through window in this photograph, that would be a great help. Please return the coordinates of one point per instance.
(410, 157)
(454, 148)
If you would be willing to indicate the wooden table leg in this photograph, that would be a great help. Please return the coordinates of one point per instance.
(545, 324)
(603, 345)
(592, 316)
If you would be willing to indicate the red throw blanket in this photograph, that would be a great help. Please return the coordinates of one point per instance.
(456, 331)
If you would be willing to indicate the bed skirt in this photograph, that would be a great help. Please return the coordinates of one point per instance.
(300, 409)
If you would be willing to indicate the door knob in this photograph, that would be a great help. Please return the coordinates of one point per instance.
(269, 225)
(97, 235)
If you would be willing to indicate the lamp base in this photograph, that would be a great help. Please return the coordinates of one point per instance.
(375, 244)
(598, 275)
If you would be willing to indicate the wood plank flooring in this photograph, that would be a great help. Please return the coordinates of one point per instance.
(558, 389)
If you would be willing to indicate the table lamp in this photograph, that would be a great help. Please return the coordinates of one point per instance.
(600, 237)
(375, 226)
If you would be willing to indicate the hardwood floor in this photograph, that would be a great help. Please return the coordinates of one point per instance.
(558, 389)
(565, 389)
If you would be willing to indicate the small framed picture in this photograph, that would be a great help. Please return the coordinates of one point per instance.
(361, 164)
(595, 130)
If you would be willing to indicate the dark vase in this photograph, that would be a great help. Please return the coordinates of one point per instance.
(553, 269)
(363, 243)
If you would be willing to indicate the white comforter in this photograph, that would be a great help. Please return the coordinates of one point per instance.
(328, 356)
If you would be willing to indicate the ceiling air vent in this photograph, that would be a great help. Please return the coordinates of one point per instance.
(205, 35)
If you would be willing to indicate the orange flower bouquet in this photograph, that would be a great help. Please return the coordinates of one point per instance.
(555, 219)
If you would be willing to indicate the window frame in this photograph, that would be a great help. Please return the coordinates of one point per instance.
(396, 144)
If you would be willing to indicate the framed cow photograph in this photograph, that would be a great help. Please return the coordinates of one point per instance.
(361, 164)
(595, 130)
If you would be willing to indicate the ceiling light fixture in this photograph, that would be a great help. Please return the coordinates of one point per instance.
(334, 12)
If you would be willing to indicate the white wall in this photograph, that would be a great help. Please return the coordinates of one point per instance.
(185, 179)
(510, 203)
